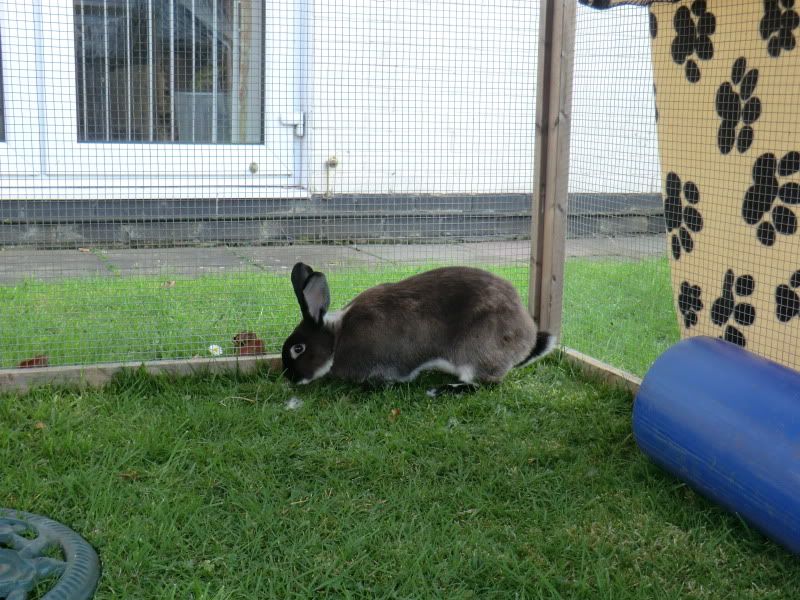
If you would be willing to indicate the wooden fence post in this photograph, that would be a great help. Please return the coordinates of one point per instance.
(551, 161)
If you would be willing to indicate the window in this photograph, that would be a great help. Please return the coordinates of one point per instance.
(182, 71)
(128, 98)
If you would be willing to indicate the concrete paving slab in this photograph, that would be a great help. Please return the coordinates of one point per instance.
(628, 247)
(321, 258)
(416, 253)
(498, 253)
(183, 262)
(19, 264)
(49, 265)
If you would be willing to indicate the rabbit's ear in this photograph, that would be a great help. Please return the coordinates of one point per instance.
(317, 297)
(300, 275)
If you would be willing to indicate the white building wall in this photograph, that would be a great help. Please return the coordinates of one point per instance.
(414, 96)
(410, 96)
(614, 145)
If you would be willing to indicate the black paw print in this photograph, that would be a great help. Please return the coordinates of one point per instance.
(725, 306)
(731, 109)
(778, 24)
(787, 302)
(693, 38)
(689, 303)
(760, 196)
(679, 218)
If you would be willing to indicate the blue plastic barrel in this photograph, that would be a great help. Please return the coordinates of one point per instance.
(727, 423)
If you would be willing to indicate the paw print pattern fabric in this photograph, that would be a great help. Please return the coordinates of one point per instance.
(729, 149)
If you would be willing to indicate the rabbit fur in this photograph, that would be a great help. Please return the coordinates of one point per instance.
(460, 320)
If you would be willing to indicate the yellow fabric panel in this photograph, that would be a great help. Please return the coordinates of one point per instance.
(689, 146)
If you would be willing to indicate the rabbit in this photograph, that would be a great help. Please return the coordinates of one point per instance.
(460, 320)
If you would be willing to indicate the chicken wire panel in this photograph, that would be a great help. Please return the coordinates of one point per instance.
(164, 163)
(617, 299)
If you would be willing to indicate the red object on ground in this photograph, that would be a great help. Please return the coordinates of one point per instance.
(36, 361)
(248, 343)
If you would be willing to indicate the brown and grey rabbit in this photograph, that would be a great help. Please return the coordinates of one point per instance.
(459, 320)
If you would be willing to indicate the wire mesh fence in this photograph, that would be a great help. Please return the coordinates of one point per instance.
(165, 162)
(618, 302)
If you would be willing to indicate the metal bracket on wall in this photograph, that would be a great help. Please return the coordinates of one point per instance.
(296, 120)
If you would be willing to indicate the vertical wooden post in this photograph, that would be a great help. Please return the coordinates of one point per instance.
(551, 158)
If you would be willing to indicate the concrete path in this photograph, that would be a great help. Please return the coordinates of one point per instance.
(19, 264)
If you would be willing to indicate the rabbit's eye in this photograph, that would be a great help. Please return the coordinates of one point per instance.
(297, 350)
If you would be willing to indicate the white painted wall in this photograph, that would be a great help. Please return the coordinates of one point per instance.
(437, 97)
(614, 144)
(415, 96)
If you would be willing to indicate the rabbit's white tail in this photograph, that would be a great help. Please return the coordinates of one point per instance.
(545, 344)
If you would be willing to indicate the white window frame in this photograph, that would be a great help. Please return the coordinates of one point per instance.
(72, 169)
(20, 152)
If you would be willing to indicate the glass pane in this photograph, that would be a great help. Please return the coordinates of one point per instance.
(166, 70)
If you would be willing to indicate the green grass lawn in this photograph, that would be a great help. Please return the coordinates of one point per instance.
(78, 321)
(210, 488)
(620, 312)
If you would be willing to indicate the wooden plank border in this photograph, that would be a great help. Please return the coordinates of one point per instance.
(98, 375)
(551, 161)
(598, 370)
(95, 376)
